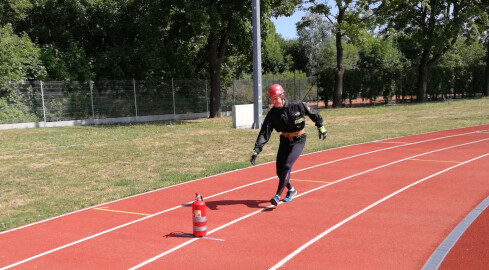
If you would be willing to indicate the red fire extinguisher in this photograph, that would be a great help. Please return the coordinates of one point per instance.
(199, 216)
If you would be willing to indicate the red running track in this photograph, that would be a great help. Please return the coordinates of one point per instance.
(380, 205)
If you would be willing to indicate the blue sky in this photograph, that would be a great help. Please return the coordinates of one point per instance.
(285, 26)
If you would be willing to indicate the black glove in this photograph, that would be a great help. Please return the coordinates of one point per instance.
(322, 132)
(253, 158)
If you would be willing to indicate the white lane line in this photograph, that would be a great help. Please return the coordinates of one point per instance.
(188, 182)
(302, 194)
(323, 234)
(392, 142)
(217, 194)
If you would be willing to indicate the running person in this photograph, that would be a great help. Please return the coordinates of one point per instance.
(287, 117)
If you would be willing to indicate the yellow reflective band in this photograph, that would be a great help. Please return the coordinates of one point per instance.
(118, 211)
(300, 120)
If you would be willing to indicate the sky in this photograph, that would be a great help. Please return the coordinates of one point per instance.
(285, 26)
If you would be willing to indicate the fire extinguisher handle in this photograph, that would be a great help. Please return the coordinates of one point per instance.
(199, 197)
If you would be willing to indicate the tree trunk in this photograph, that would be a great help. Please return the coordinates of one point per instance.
(338, 92)
(426, 63)
(217, 48)
(422, 77)
(215, 78)
(486, 86)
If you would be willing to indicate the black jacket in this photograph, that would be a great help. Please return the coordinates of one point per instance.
(290, 118)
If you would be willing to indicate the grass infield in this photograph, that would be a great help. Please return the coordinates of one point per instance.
(51, 171)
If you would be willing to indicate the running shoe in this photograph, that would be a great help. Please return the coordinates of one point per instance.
(275, 200)
(290, 195)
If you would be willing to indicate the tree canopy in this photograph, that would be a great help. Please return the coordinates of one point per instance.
(351, 20)
(428, 29)
(212, 40)
(19, 58)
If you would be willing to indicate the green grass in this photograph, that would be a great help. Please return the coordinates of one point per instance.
(50, 171)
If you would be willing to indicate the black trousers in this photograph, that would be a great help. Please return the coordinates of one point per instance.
(288, 153)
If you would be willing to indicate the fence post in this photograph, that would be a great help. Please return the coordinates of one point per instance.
(206, 99)
(43, 105)
(317, 90)
(299, 89)
(173, 92)
(135, 100)
(285, 86)
(295, 88)
(234, 95)
(90, 83)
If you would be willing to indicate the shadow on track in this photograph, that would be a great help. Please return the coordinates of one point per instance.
(214, 205)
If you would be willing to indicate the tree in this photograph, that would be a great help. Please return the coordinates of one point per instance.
(111, 39)
(272, 53)
(328, 55)
(327, 68)
(218, 23)
(381, 63)
(227, 24)
(63, 31)
(161, 39)
(431, 28)
(19, 59)
(314, 33)
(351, 19)
(170, 37)
(486, 85)
(482, 28)
(461, 66)
(12, 11)
(295, 54)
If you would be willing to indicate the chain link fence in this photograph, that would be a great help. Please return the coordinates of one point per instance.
(39, 101)
(241, 91)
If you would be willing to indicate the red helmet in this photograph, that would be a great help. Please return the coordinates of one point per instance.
(275, 90)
